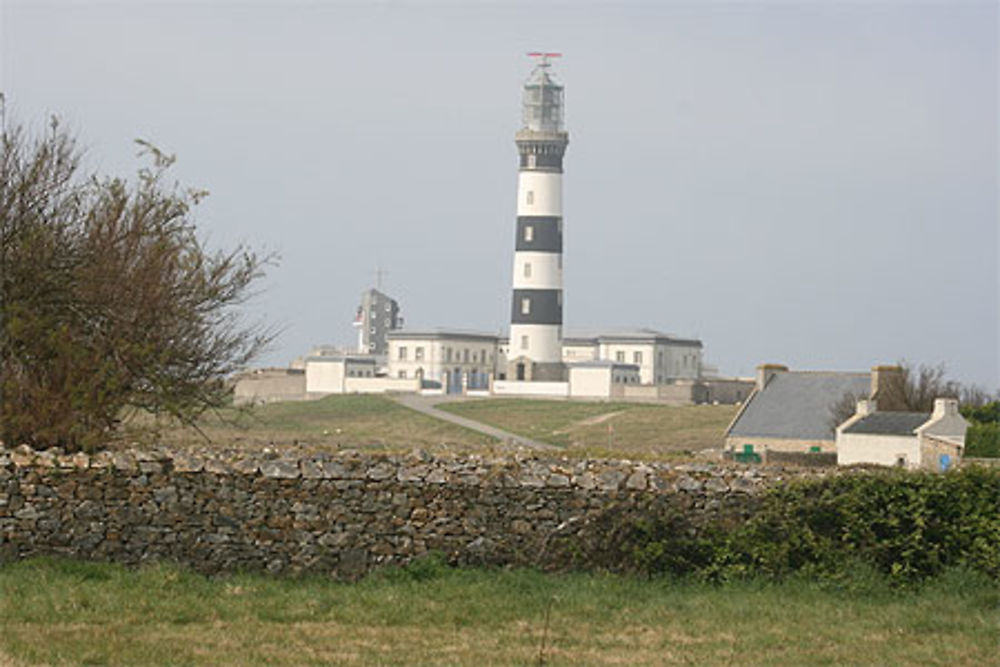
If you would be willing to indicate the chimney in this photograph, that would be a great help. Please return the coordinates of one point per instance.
(945, 407)
(865, 408)
(887, 387)
(766, 371)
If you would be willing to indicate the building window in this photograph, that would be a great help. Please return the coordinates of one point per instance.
(402, 375)
(560, 262)
(387, 308)
(529, 233)
(637, 357)
(402, 353)
(527, 269)
(447, 354)
(620, 356)
(387, 322)
(418, 354)
(372, 330)
(465, 355)
(525, 306)
(530, 198)
(524, 342)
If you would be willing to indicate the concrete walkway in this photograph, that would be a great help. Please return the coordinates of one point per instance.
(425, 404)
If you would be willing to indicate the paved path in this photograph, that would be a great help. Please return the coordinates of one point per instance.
(425, 404)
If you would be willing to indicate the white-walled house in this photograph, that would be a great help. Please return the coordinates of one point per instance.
(451, 359)
(913, 440)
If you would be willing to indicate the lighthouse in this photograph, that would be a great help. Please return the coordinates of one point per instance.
(535, 351)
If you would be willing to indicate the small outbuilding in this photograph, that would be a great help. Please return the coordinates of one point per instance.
(913, 440)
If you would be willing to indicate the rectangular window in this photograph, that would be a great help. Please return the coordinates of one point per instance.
(530, 198)
(524, 342)
(402, 353)
(465, 355)
(529, 233)
(525, 306)
(419, 354)
(620, 356)
(447, 354)
(637, 357)
(402, 375)
(527, 269)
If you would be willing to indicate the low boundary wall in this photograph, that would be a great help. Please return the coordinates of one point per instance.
(336, 514)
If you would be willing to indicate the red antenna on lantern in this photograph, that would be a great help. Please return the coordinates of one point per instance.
(544, 55)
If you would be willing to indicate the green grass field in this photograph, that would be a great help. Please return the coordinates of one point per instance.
(330, 423)
(57, 612)
(637, 430)
(370, 422)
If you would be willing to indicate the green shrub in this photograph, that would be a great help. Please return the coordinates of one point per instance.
(907, 525)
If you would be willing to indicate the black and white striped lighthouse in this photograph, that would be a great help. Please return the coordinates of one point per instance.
(535, 351)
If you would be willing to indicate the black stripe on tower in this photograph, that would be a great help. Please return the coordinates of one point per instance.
(539, 233)
(536, 306)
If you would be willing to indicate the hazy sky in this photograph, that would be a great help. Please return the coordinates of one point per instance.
(800, 182)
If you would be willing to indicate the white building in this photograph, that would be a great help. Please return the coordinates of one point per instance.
(345, 374)
(660, 357)
(914, 440)
(601, 379)
(451, 360)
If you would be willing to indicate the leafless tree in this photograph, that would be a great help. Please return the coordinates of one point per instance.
(915, 391)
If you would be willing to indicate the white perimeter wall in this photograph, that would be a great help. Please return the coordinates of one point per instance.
(514, 388)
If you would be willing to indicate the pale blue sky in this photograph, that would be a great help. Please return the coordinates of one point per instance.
(803, 182)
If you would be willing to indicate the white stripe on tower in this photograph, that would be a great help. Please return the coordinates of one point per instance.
(536, 306)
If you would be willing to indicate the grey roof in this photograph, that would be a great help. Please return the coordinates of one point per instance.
(339, 358)
(797, 405)
(440, 334)
(602, 363)
(628, 336)
(889, 423)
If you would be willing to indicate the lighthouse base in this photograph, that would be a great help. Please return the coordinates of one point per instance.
(525, 370)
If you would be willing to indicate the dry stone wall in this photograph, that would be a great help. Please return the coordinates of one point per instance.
(335, 514)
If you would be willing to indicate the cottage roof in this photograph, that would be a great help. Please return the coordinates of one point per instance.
(889, 423)
(797, 405)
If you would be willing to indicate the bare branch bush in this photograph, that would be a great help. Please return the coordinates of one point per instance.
(108, 299)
